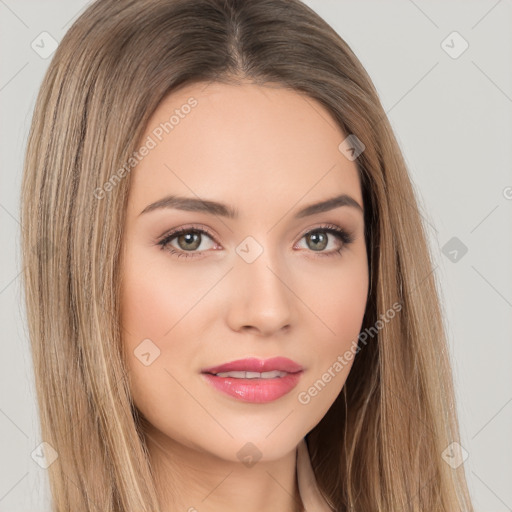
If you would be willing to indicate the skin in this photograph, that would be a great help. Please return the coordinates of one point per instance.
(268, 152)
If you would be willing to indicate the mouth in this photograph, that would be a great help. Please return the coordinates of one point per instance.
(255, 380)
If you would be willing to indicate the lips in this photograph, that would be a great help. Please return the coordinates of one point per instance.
(252, 364)
(255, 380)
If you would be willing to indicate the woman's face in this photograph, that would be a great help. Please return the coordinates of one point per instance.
(262, 276)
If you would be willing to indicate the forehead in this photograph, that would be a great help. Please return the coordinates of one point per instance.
(246, 145)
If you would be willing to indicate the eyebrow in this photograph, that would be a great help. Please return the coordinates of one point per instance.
(191, 204)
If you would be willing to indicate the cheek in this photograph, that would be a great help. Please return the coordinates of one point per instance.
(154, 307)
(156, 295)
(337, 304)
(338, 299)
(163, 327)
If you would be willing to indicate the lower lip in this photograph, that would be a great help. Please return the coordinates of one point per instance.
(255, 390)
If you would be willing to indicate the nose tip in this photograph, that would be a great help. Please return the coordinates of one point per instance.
(261, 299)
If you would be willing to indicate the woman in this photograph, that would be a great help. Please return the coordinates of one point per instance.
(232, 305)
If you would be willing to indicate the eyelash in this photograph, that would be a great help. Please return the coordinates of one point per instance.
(346, 237)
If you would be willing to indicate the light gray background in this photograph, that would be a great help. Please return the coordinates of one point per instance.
(452, 117)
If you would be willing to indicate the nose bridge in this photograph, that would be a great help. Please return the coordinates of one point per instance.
(261, 298)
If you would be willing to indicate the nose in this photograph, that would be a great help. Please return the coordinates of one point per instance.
(261, 298)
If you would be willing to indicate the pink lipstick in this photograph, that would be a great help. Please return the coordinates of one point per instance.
(255, 380)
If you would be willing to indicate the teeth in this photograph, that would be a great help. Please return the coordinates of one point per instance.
(253, 375)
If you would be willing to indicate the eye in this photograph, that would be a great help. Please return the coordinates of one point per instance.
(190, 240)
(187, 239)
(318, 239)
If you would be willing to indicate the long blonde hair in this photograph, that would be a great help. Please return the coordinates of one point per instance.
(379, 446)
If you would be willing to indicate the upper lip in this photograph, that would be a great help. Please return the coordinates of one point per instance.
(253, 364)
